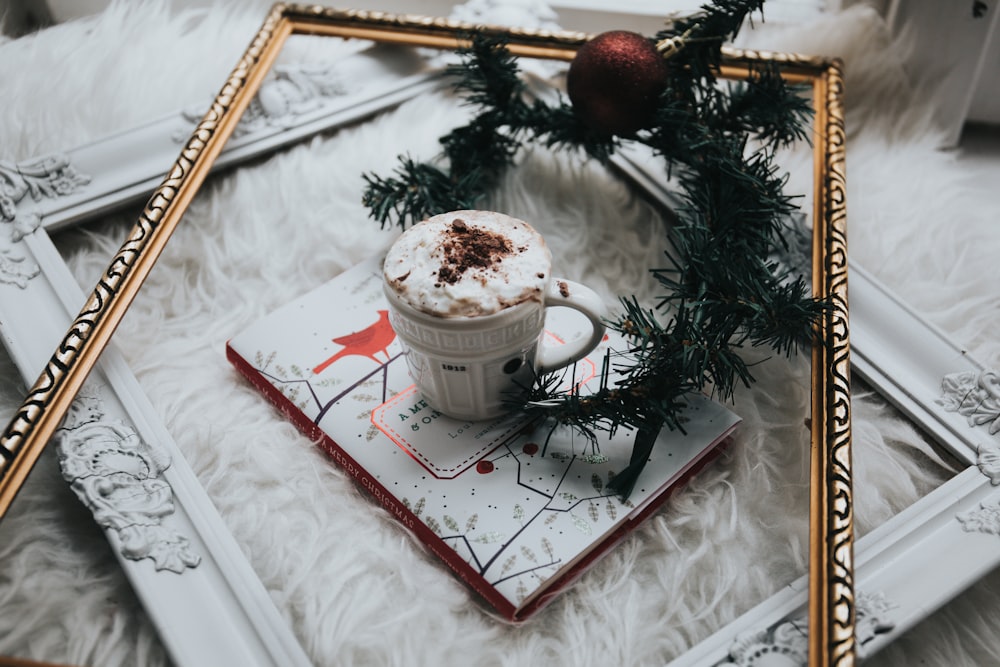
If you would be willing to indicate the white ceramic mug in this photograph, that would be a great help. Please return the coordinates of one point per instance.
(475, 364)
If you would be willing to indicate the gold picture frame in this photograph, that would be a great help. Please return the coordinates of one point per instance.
(831, 590)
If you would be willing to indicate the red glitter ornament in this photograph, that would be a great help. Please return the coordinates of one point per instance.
(615, 82)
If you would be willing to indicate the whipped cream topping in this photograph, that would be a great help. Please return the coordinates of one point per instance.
(468, 263)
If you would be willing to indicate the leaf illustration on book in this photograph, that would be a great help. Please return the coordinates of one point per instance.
(560, 456)
(280, 370)
(567, 496)
(547, 548)
(508, 564)
(529, 554)
(451, 523)
(597, 482)
(595, 458)
(612, 510)
(551, 518)
(594, 512)
(362, 284)
(265, 362)
(518, 512)
(581, 524)
(522, 590)
(489, 538)
(296, 371)
(419, 507)
(291, 393)
(470, 523)
(433, 525)
(366, 398)
(371, 433)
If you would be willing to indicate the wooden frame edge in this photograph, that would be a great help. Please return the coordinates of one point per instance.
(831, 543)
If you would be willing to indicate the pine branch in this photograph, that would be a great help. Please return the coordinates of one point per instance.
(702, 35)
(482, 149)
(724, 293)
(767, 108)
(419, 190)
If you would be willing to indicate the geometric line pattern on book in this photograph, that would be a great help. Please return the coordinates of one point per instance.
(300, 386)
(438, 459)
(410, 405)
(116, 474)
(504, 557)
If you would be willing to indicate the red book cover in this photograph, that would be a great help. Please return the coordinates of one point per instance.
(516, 509)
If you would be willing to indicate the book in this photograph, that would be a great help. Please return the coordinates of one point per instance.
(518, 510)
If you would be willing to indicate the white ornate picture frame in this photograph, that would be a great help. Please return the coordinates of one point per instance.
(950, 395)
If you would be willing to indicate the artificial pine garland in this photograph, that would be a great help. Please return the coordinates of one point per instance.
(724, 292)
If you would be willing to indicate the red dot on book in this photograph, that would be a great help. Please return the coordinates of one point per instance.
(484, 467)
(530, 448)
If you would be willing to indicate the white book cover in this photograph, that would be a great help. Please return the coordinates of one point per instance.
(516, 509)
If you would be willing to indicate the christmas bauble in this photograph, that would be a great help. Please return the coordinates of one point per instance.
(615, 82)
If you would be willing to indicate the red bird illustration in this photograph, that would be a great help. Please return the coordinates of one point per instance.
(365, 343)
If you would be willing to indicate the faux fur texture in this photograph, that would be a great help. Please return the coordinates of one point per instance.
(354, 586)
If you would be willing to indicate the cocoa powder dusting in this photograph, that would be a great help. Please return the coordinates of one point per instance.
(470, 248)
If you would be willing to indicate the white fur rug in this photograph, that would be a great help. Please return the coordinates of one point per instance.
(353, 585)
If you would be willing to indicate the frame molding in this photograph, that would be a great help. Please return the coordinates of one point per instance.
(189, 555)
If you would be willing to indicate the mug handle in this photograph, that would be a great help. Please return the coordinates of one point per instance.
(562, 292)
